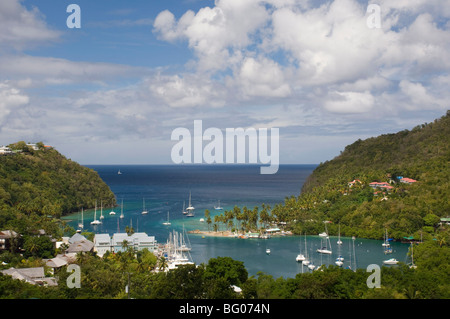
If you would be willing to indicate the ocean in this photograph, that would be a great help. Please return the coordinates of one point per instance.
(165, 189)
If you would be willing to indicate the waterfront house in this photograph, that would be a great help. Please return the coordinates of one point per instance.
(102, 244)
(138, 241)
(119, 242)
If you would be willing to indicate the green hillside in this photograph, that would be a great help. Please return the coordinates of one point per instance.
(40, 185)
(421, 154)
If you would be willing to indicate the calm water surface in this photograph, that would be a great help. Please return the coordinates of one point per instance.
(165, 188)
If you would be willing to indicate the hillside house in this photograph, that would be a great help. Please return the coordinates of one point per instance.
(407, 180)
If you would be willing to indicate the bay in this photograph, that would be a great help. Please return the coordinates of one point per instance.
(166, 188)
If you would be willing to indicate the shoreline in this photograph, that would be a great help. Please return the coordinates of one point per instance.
(228, 233)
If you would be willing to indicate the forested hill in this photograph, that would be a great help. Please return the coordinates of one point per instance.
(363, 210)
(44, 183)
(419, 153)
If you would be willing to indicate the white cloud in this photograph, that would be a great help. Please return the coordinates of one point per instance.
(48, 70)
(350, 102)
(10, 100)
(22, 28)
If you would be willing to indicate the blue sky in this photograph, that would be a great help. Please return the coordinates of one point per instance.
(112, 91)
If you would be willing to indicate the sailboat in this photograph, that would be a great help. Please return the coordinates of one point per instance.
(190, 208)
(119, 173)
(306, 261)
(339, 260)
(412, 265)
(112, 212)
(144, 211)
(167, 222)
(386, 240)
(300, 257)
(218, 207)
(81, 224)
(121, 210)
(184, 208)
(339, 242)
(324, 249)
(95, 221)
(101, 210)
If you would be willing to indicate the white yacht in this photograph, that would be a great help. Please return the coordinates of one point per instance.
(391, 261)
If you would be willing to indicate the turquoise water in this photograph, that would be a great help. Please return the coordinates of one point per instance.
(165, 188)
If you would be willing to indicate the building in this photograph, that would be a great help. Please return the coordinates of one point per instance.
(383, 185)
(4, 150)
(353, 182)
(138, 241)
(120, 242)
(6, 237)
(102, 244)
(407, 180)
(34, 276)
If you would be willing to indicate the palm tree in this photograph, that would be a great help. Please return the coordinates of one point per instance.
(163, 263)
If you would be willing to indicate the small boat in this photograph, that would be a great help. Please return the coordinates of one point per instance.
(184, 208)
(391, 261)
(300, 257)
(119, 173)
(268, 251)
(167, 222)
(311, 266)
(339, 261)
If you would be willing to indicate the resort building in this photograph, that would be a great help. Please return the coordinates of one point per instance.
(102, 244)
(122, 241)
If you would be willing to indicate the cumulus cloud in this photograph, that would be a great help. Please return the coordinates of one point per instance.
(22, 28)
(10, 99)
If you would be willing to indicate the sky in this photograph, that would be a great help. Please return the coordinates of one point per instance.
(323, 72)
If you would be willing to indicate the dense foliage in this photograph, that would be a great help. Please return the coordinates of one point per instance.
(39, 186)
(406, 210)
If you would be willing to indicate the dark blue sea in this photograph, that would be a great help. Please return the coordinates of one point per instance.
(165, 188)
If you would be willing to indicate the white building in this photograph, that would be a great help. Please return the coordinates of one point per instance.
(137, 241)
(4, 150)
(102, 244)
